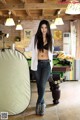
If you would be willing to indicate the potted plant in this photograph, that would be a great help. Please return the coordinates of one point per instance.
(17, 39)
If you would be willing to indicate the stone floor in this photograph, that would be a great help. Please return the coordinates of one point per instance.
(67, 109)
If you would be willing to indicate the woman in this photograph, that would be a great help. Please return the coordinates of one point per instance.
(41, 46)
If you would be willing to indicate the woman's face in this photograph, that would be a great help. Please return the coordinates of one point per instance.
(44, 29)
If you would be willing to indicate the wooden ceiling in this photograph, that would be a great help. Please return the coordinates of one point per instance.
(34, 9)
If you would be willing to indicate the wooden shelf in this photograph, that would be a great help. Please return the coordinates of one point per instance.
(61, 68)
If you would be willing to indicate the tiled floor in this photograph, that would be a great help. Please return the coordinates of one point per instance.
(67, 109)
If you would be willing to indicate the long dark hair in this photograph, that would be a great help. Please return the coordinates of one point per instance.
(39, 36)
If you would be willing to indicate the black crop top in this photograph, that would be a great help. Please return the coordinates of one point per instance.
(45, 46)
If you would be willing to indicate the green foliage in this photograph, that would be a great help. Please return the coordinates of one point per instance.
(17, 39)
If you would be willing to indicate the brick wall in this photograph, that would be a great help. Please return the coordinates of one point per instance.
(29, 25)
(12, 33)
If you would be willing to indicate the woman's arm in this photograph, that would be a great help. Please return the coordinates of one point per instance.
(29, 48)
(52, 45)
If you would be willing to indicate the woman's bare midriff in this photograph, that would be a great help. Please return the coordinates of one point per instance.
(43, 55)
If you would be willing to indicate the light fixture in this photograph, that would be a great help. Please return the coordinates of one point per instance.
(9, 21)
(19, 26)
(73, 8)
(59, 21)
(53, 26)
(7, 35)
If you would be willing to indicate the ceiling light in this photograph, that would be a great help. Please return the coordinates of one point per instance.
(19, 26)
(73, 7)
(7, 35)
(53, 26)
(9, 21)
(59, 21)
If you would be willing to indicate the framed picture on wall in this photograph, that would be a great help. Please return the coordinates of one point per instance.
(28, 35)
(57, 35)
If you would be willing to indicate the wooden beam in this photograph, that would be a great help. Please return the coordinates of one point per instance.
(63, 0)
(45, 1)
(28, 13)
(1, 13)
(43, 12)
(3, 1)
(12, 7)
(28, 6)
(56, 12)
(40, 17)
(44, 6)
(23, 1)
(14, 13)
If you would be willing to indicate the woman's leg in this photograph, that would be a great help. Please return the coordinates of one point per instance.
(42, 75)
(45, 73)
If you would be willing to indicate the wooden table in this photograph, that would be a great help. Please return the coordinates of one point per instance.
(61, 69)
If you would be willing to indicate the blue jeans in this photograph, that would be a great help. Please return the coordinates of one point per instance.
(42, 74)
